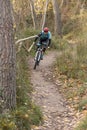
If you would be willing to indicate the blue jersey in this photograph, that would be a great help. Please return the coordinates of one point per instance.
(45, 36)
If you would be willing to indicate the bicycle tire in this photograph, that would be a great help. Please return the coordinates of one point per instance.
(37, 61)
(35, 65)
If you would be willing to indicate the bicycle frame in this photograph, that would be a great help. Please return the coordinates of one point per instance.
(38, 55)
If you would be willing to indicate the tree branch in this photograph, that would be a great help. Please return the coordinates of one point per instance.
(24, 39)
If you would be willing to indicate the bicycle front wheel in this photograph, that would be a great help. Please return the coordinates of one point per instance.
(37, 59)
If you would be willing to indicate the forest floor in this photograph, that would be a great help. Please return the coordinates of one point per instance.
(58, 115)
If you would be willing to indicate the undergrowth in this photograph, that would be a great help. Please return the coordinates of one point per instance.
(82, 125)
(71, 66)
(26, 114)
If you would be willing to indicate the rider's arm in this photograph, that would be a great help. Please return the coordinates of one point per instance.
(49, 38)
(49, 42)
(37, 37)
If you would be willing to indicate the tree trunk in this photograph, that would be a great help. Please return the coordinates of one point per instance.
(77, 8)
(83, 4)
(33, 13)
(7, 57)
(63, 3)
(57, 15)
(44, 16)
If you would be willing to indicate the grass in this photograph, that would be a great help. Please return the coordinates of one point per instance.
(59, 44)
(33, 113)
(82, 90)
(71, 67)
(82, 125)
(26, 112)
(82, 104)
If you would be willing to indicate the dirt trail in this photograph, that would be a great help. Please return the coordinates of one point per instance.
(57, 115)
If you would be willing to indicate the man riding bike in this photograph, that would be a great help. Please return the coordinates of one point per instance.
(44, 37)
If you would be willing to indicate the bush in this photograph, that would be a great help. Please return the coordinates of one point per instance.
(72, 62)
(59, 44)
(82, 104)
(26, 112)
(82, 125)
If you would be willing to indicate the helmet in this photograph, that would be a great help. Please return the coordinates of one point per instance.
(45, 29)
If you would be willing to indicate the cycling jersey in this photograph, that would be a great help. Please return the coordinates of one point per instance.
(45, 36)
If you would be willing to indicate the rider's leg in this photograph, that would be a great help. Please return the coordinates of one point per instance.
(44, 49)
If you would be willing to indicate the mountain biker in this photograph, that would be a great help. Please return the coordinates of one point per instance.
(44, 36)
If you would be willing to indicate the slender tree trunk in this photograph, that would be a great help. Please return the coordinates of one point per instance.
(7, 57)
(77, 8)
(57, 15)
(33, 13)
(63, 3)
(83, 4)
(44, 16)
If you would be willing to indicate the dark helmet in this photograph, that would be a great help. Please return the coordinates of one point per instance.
(45, 29)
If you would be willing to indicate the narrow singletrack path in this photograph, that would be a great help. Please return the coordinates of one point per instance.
(57, 114)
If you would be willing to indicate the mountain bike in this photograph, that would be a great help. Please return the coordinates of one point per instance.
(39, 53)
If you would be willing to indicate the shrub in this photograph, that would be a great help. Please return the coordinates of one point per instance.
(82, 125)
(82, 104)
(26, 112)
